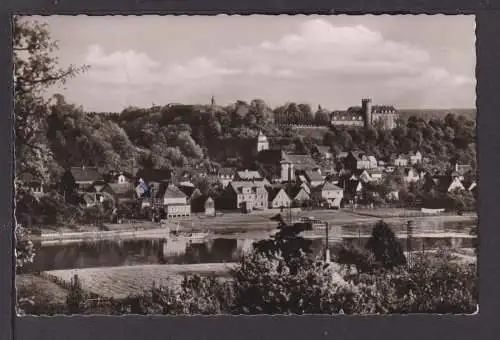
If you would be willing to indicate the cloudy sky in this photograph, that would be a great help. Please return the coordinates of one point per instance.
(407, 61)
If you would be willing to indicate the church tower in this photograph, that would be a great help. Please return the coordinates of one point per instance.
(262, 142)
(366, 106)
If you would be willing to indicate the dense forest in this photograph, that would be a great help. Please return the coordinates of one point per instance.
(175, 136)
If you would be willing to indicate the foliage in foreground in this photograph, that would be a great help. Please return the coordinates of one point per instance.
(264, 285)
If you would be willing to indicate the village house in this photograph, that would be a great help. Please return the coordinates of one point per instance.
(400, 161)
(313, 178)
(416, 158)
(330, 194)
(455, 185)
(342, 155)
(119, 177)
(361, 175)
(357, 160)
(300, 195)
(85, 176)
(410, 175)
(175, 202)
(442, 182)
(225, 176)
(122, 192)
(246, 195)
(249, 175)
(376, 175)
(295, 162)
(284, 165)
(354, 190)
(34, 184)
(278, 198)
(324, 152)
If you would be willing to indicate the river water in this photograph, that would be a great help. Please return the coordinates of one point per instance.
(223, 248)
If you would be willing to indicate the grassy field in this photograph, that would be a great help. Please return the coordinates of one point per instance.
(42, 289)
(120, 282)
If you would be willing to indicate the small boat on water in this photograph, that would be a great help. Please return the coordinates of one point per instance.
(189, 236)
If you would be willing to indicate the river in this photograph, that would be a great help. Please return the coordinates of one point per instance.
(224, 248)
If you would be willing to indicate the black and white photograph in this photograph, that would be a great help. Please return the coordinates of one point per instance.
(245, 165)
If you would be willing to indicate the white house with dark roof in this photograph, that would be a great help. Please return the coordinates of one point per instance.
(278, 198)
(330, 193)
(175, 202)
(248, 195)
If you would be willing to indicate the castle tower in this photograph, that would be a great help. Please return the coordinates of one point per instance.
(262, 142)
(366, 106)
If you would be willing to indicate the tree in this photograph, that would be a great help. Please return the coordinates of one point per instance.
(385, 247)
(266, 285)
(287, 242)
(35, 70)
(322, 118)
(361, 259)
(76, 297)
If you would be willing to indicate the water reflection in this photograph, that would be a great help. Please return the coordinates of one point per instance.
(229, 249)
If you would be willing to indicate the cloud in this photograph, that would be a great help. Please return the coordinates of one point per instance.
(198, 68)
(120, 67)
(319, 63)
(318, 47)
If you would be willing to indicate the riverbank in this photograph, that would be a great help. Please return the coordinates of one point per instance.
(243, 224)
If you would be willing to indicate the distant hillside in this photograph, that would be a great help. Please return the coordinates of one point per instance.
(427, 114)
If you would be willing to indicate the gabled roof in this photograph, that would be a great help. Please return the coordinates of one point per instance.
(359, 172)
(125, 189)
(273, 192)
(187, 190)
(330, 186)
(375, 172)
(352, 185)
(342, 154)
(463, 168)
(171, 191)
(323, 149)
(154, 175)
(249, 175)
(297, 190)
(313, 176)
(226, 171)
(300, 161)
(238, 185)
(85, 174)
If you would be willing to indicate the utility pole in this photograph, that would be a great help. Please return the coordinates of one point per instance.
(327, 249)
(289, 193)
(409, 236)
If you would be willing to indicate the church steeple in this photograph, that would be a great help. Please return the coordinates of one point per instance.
(262, 142)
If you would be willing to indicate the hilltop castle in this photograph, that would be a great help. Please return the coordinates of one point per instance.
(384, 116)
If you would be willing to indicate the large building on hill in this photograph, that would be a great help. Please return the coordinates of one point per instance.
(383, 116)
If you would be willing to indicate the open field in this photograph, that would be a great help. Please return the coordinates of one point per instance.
(120, 282)
(41, 288)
